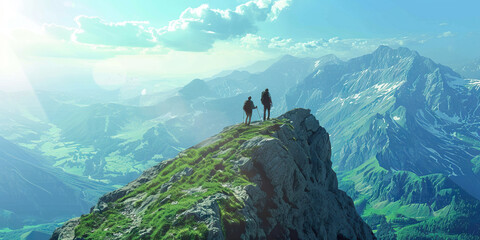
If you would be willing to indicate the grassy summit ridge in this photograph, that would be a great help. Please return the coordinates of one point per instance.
(197, 173)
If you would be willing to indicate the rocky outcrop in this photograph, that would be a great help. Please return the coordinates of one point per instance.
(67, 231)
(289, 190)
(296, 194)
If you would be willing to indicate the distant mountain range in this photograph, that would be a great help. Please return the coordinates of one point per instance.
(404, 131)
(400, 108)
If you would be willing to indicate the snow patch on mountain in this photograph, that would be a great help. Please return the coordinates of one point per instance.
(385, 88)
(318, 72)
(474, 82)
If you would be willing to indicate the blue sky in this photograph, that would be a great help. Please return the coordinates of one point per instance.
(176, 41)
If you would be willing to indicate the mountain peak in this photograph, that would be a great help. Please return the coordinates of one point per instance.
(196, 88)
(287, 57)
(270, 180)
(383, 57)
(384, 50)
(330, 56)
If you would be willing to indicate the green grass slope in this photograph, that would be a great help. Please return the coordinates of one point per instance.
(211, 173)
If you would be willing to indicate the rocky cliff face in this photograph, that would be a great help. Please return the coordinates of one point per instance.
(271, 180)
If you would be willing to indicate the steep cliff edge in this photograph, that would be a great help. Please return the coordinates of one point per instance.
(271, 180)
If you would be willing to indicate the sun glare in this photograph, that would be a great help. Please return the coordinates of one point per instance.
(13, 78)
(12, 74)
(11, 18)
(8, 12)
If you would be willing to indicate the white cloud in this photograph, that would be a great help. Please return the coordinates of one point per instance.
(198, 28)
(277, 7)
(253, 41)
(445, 34)
(94, 30)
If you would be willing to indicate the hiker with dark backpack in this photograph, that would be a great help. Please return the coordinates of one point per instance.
(248, 107)
(267, 104)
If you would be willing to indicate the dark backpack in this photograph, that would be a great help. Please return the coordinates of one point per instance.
(265, 98)
(247, 106)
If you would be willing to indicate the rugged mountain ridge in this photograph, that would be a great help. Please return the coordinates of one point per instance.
(270, 180)
(400, 107)
(405, 135)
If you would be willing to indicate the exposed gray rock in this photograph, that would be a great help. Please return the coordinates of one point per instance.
(194, 190)
(185, 172)
(251, 143)
(145, 203)
(311, 123)
(243, 163)
(296, 194)
(177, 176)
(67, 231)
(208, 212)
